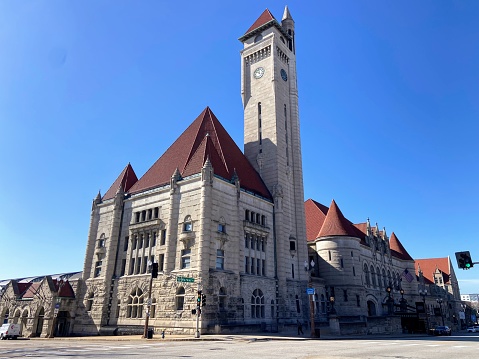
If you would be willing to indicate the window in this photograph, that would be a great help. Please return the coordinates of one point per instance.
(316, 301)
(220, 259)
(156, 212)
(143, 216)
(263, 220)
(329, 255)
(246, 264)
(246, 215)
(123, 266)
(135, 304)
(135, 241)
(144, 263)
(246, 240)
(150, 214)
(147, 241)
(138, 266)
(221, 228)
(298, 306)
(366, 275)
(137, 217)
(222, 298)
(153, 242)
(323, 304)
(257, 304)
(140, 242)
(252, 266)
(292, 245)
(125, 245)
(132, 266)
(272, 308)
(163, 237)
(345, 295)
(264, 268)
(187, 225)
(341, 262)
(258, 38)
(89, 302)
(161, 263)
(373, 277)
(292, 270)
(185, 258)
(354, 272)
(262, 244)
(180, 298)
(101, 243)
(358, 300)
(258, 266)
(98, 268)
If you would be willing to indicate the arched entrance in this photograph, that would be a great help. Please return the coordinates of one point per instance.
(62, 328)
(39, 327)
(371, 308)
(23, 322)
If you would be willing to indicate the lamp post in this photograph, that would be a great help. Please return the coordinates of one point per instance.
(311, 304)
(390, 301)
(148, 307)
(402, 301)
(333, 310)
(439, 301)
(423, 293)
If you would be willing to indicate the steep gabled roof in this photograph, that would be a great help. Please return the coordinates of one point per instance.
(428, 267)
(64, 288)
(335, 224)
(315, 214)
(397, 249)
(125, 180)
(204, 138)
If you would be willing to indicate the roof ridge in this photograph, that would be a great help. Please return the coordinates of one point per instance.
(220, 147)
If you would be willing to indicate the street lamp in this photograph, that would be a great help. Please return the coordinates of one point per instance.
(402, 301)
(423, 293)
(390, 301)
(310, 294)
(439, 301)
(333, 310)
(150, 269)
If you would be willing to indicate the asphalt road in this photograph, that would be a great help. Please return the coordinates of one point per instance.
(461, 346)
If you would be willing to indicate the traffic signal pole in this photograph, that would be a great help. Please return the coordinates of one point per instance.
(198, 311)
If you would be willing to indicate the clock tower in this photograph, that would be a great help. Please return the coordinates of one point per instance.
(272, 144)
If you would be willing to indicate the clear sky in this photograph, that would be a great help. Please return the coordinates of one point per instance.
(389, 108)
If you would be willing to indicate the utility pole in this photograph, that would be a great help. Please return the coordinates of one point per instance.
(153, 268)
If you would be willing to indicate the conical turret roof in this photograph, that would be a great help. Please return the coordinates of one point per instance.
(397, 249)
(335, 224)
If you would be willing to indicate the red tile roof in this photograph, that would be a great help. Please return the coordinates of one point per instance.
(32, 290)
(315, 215)
(397, 249)
(66, 289)
(126, 180)
(428, 267)
(336, 224)
(205, 137)
(264, 18)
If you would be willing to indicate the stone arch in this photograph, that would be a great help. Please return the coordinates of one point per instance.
(38, 322)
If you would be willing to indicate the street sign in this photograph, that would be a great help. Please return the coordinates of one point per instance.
(57, 306)
(185, 279)
(310, 291)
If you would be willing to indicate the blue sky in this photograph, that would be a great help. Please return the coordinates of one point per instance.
(389, 108)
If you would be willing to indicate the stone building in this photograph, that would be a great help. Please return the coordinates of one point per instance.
(234, 226)
(207, 212)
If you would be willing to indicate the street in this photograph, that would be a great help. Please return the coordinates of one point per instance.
(231, 347)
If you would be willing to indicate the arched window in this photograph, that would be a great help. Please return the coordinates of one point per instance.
(188, 224)
(366, 275)
(135, 304)
(385, 278)
(373, 277)
(180, 298)
(222, 298)
(89, 302)
(101, 241)
(390, 281)
(378, 273)
(257, 304)
(371, 308)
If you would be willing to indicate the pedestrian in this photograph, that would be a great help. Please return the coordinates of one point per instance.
(300, 327)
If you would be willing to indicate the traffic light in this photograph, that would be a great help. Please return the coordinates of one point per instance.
(203, 300)
(464, 260)
(193, 311)
(198, 300)
(154, 270)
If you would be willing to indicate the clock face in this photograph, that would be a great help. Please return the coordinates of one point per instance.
(258, 73)
(284, 76)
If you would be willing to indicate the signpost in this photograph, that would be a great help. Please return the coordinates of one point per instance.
(310, 291)
(185, 279)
